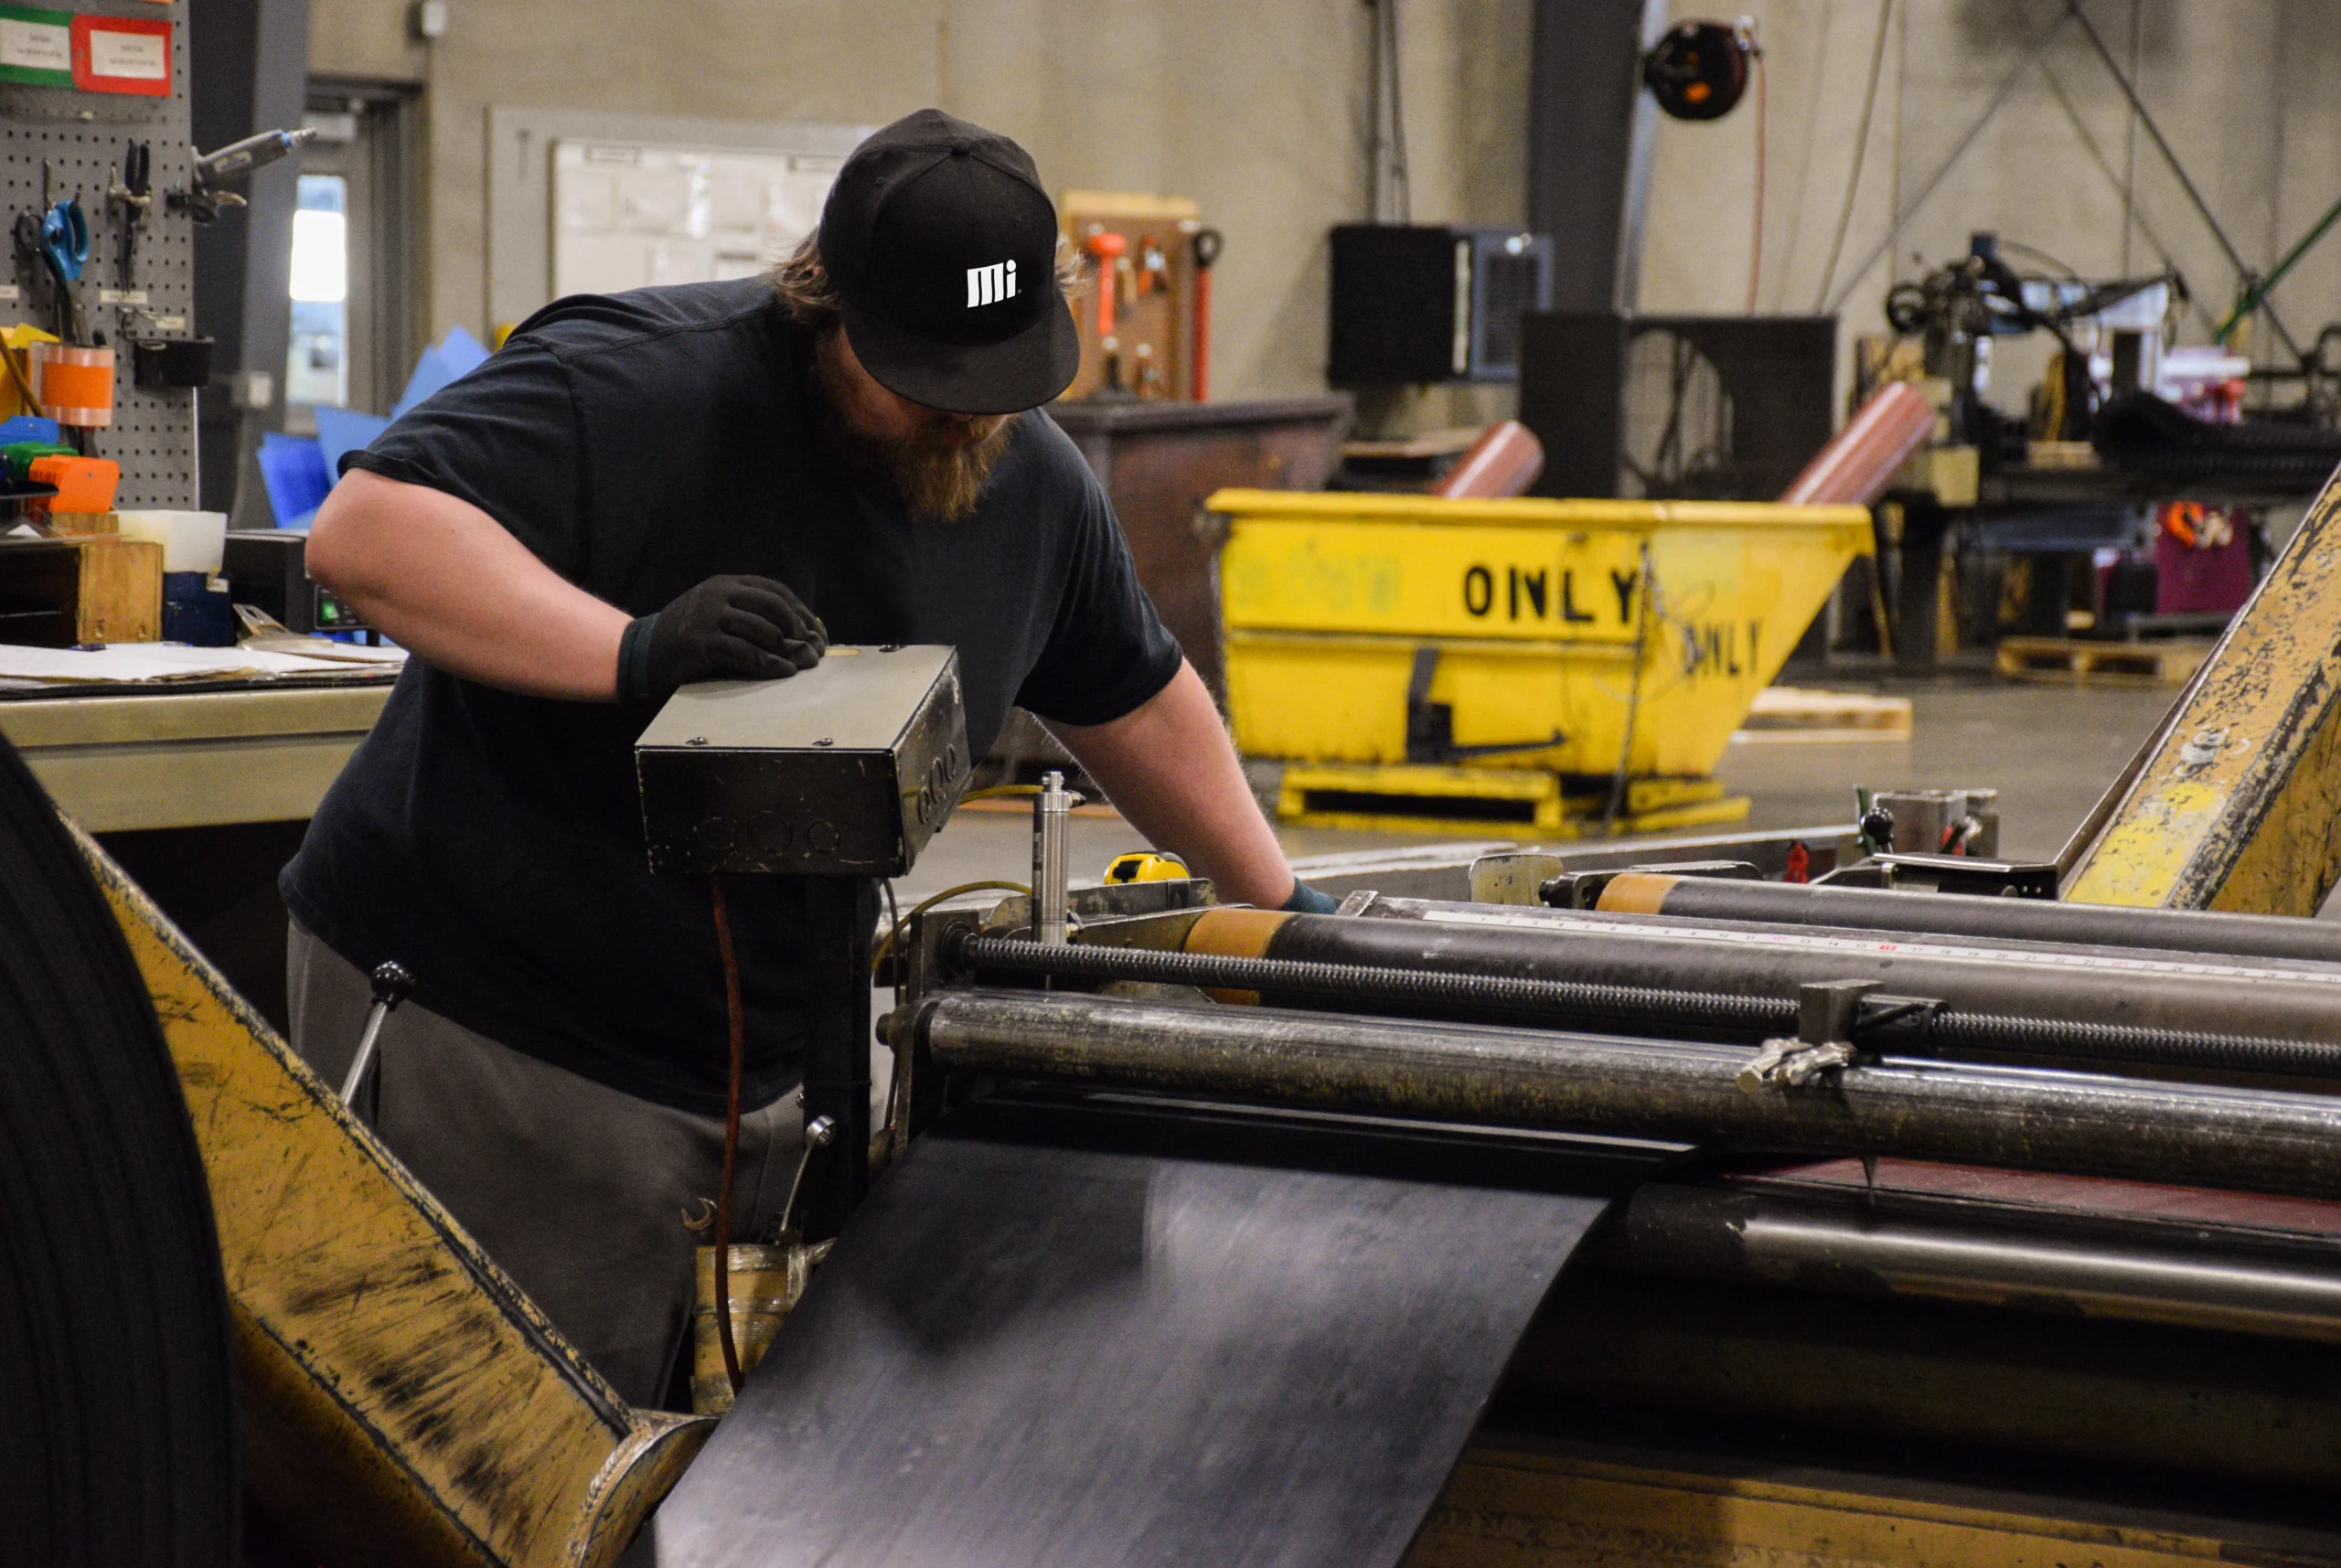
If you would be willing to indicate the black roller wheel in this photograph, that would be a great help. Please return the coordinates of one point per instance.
(116, 1444)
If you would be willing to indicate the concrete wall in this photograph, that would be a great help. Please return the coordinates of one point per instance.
(1256, 108)
(2240, 87)
(1257, 111)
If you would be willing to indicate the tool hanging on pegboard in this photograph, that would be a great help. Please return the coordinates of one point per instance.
(1144, 331)
(93, 112)
(132, 197)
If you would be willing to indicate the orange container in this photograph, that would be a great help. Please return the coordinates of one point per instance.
(83, 483)
(75, 386)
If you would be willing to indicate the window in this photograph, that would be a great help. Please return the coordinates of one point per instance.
(317, 365)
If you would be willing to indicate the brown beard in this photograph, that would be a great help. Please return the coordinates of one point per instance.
(935, 481)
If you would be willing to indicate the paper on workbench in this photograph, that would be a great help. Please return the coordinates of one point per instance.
(130, 662)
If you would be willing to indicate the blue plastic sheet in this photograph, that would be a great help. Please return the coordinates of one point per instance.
(343, 430)
(294, 471)
(454, 356)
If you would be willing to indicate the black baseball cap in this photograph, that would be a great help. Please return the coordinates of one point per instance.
(943, 247)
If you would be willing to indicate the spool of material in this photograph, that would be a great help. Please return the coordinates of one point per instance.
(116, 1440)
(75, 386)
(1501, 465)
(1862, 459)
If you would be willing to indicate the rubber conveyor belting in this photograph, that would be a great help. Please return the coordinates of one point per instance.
(1101, 1335)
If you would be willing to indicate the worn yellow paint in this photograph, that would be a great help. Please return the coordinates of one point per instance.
(1516, 1508)
(2240, 807)
(1538, 611)
(404, 1401)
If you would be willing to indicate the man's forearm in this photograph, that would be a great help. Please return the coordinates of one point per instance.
(1174, 777)
(445, 581)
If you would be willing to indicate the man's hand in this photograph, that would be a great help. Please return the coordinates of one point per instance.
(750, 628)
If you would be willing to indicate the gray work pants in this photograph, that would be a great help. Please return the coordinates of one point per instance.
(578, 1191)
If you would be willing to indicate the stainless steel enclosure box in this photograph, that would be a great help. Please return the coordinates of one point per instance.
(845, 770)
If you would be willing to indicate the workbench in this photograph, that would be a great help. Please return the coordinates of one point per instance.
(125, 759)
(202, 791)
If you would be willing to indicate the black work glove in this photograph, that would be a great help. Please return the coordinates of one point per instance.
(739, 628)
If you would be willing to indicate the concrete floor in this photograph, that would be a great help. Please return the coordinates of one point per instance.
(2049, 750)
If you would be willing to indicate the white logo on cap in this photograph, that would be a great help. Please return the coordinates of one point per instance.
(989, 285)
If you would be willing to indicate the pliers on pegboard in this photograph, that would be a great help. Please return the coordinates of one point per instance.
(134, 194)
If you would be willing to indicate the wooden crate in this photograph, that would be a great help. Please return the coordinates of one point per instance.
(2077, 662)
(98, 589)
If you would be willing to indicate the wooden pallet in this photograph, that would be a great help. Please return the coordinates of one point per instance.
(2073, 661)
(1794, 713)
(1401, 797)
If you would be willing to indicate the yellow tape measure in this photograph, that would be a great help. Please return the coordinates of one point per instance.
(1144, 866)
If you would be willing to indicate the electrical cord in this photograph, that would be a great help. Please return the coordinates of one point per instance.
(887, 946)
(1756, 248)
(738, 1030)
(1861, 153)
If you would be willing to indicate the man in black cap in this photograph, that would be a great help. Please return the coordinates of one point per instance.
(678, 485)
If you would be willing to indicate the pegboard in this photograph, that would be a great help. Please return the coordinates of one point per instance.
(81, 137)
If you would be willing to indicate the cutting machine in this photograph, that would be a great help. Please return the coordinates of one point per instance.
(1652, 1215)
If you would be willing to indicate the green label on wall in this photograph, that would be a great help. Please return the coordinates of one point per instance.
(36, 46)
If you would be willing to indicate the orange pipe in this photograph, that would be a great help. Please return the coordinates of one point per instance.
(1501, 465)
(1862, 459)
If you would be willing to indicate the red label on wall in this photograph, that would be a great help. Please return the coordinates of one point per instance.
(122, 54)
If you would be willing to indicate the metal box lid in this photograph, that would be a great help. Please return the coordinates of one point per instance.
(858, 698)
(847, 769)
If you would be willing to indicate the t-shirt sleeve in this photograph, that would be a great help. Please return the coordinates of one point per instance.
(1107, 653)
(505, 437)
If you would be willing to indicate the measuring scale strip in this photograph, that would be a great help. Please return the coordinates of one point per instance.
(1859, 945)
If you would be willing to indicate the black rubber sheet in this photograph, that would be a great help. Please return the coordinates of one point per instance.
(1069, 1335)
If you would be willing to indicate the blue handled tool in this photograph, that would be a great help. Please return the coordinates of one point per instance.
(65, 240)
(64, 247)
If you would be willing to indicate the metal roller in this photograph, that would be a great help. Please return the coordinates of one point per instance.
(2144, 1271)
(1904, 1026)
(1960, 915)
(2213, 995)
(2018, 1117)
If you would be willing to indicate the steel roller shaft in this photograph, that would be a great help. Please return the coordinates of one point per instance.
(2018, 1117)
(1666, 1009)
(1965, 915)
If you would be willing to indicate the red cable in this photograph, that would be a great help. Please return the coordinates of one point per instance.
(731, 1140)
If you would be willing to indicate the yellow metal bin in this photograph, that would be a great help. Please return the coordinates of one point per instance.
(1555, 664)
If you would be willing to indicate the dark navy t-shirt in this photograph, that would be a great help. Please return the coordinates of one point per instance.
(639, 443)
